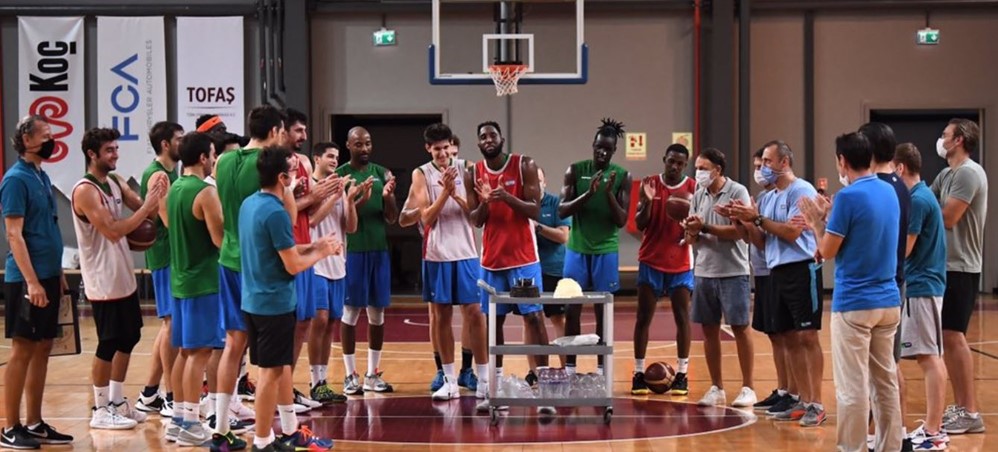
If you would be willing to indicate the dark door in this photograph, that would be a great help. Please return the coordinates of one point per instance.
(923, 128)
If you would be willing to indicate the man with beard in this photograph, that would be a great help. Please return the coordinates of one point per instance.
(108, 271)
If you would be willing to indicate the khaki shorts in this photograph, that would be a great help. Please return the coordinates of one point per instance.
(921, 327)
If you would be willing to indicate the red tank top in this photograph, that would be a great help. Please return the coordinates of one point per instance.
(660, 248)
(301, 229)
(508, 240)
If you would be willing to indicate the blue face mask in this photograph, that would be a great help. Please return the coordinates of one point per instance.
(769, 175)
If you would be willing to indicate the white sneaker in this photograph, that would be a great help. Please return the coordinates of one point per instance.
(482, 391)
(167, 410)
(303, 399)
(746, 398)
(105, 418)
(713, 397)
(871, 441)
(449, 391)
(193, 436)
(240, 411)
(127, 410)
(482, 406)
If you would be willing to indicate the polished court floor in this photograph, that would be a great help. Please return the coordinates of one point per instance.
(408, 420)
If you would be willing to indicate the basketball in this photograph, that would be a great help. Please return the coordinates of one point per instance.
(658, 377)
(143, 236)
(677, 206)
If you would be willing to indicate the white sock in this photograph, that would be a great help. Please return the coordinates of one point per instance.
(289, 420)
(498, 373)
(190, 412)
(781, 392)
(316, 374)
(323, 372)
(212, 399)
(449, 373)
(117, 392)
(262, 443)
(639, 365)
(222, 413)
(373, 359)
(684, 364)
(100, 396)
(599, 370)
(483, 372)
(350, 363)
(242, 367)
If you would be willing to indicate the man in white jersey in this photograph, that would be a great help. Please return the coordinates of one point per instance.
(108, 272)
(438, 203)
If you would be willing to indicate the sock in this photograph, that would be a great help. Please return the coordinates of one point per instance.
(639, 365)
(449, 373)
(169, 396)
(437, 361)
(316, 373)
(796, 397)
(781, 392)
(323, 372)
(483, 373)
(262, 443)
(222, 413)
(150, 391)
(100, 396)
(373, 359)
(190, 412)
(117, 392)
(498, 373)
(242, 367)
(212, 399)
(973, 415)
(466, 358)
(599, 370)
(34, 426)
(289, 421)
(570, 369)
(821, 407)
(350, 363)
(684, 364)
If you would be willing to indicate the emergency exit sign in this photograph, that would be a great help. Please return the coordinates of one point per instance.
(928, 37)
(384, 37)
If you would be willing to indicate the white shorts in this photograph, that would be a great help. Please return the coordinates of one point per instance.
(921, 327)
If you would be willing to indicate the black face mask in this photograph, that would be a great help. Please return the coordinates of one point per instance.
(46, 150)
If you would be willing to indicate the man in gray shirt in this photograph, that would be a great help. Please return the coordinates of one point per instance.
(721, 272)
(962, 189)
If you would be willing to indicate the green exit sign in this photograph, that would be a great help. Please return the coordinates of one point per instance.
(384, 37)
(928, 37)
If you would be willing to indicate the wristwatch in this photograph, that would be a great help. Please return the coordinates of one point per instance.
(758, 220)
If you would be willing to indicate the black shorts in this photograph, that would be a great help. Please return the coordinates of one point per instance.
(270, 338)
(550, 310)
(27, 321)
(959, 300)
(119, 319)
(796, 297)
(761, 305)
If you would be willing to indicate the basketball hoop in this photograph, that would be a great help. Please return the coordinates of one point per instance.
(506, 77)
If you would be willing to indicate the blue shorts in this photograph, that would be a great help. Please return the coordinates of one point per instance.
(503, 280)
(717, 297)
(664, 283)
(230, 291)
(329, 295)
(594, 272)
(306, 293)
(197, 322)
(369, 279)
(453, 283)
(162, 291)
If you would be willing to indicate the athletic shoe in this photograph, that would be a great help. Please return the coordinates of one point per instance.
(125, 409)
(351, 385)
(18, 438)
(303, 439)
(226, 443)
(531, 378)
(324, 394)
(302, 399)
(246, 388)
(951, 412)
(482, 406)
(482, 390)
(449, 391)
(546, 411)
(467, 379)
(812, 417)
(235, 425)
(787, 402)
(964, 423)
(151, 404)
(638, 385)
(438, 381)
(764, 404)
(923, 440)
(746, 398)
(374, 382)
(45, 434)
(192, 435)
(240, 411)
(680, 385)
(171, 433)
(795, 413)
(906, 445)
(276, 446)
(107, 418)
(714, 397)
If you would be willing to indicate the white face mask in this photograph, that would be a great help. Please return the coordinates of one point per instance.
(844, 180)
(703, 178)
(941, 148)
(759, 179)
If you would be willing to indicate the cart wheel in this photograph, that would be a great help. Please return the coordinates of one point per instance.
(607, 415)
(493, 416)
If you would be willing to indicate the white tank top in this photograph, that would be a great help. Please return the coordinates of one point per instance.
(107, 267)
(332, 267)
(452, 237)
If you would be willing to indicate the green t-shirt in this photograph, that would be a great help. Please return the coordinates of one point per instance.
(593, 230)
(193, 256)
(237, 179)
(370, 235)
(157, 256)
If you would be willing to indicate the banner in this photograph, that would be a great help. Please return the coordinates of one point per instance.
(210, 71)
(131, 86)
(50, 83)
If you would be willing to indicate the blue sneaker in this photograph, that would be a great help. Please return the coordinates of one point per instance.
(438, 381)
(303, 439)
(467, 380)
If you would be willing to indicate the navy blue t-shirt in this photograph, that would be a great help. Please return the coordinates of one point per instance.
(904, 200)
(26, 192)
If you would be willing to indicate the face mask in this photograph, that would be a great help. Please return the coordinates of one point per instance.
(941, 149)
(768, 175)
(703, 178)
(759, 179)
(844, 180)
(47, 149)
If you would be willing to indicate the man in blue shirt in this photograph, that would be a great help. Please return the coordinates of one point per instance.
(270, 259)
(862, 238)
(33, 284)
(552, 235)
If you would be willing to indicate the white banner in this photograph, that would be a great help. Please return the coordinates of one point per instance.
(50, 83)
(131, 86)
(210, 71)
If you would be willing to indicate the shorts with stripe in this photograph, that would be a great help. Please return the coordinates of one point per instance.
(921, 327)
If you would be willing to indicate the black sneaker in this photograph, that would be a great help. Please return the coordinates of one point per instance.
(246, 388)
(906, 445)
(45, 434)
(531, 378)
(226, 443)
(275, 446)
(18, 438)
(680, 386)
(764, 404)
(235, 425)
(638, 385)
(785, 403)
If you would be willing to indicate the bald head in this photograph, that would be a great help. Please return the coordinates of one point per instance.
(359, 145)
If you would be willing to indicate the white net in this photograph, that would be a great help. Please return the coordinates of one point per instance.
(506, 77)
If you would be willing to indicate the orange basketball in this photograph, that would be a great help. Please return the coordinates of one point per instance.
(143, 237)
(659, 376)
(677, 206)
